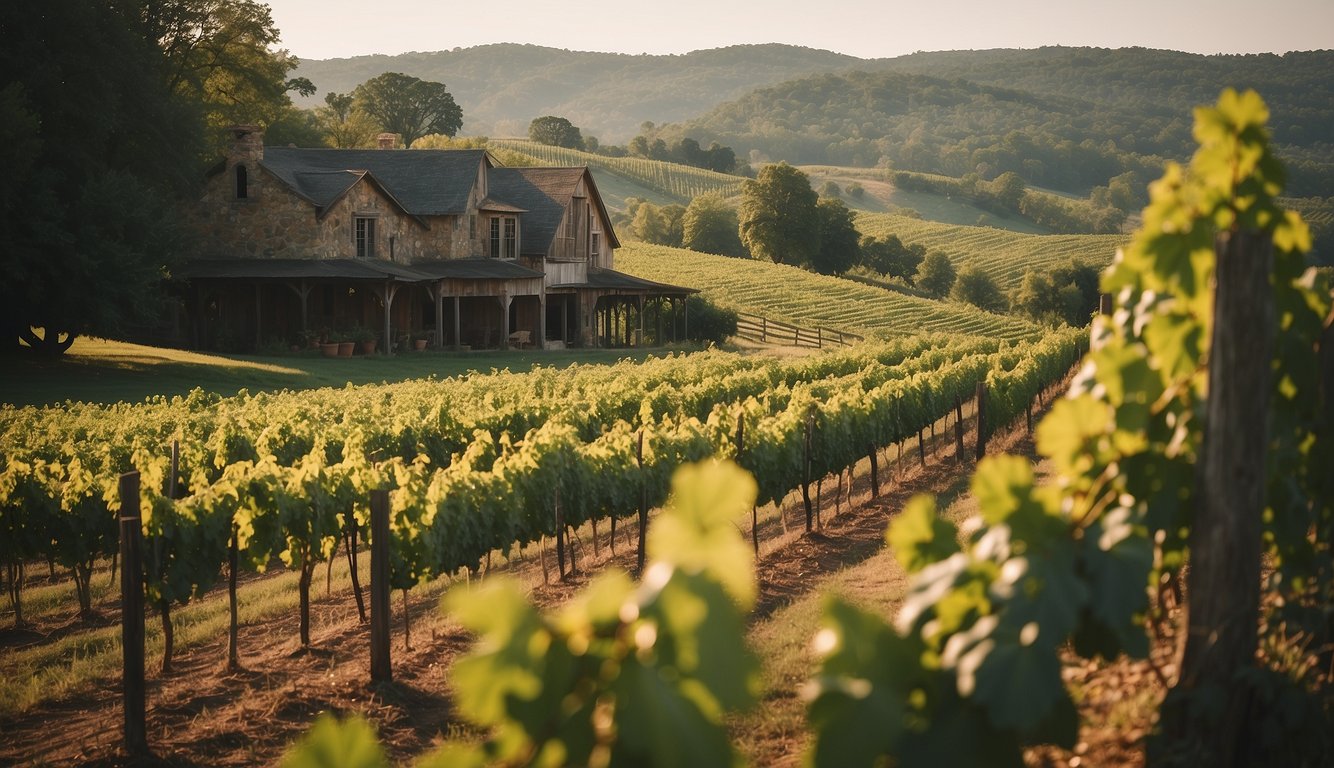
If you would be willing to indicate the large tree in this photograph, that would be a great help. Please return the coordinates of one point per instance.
(938, 274)
(710, 226)
(96, 144)
(978, 288)
(344, 125)
(778, 216)
(890, 257)
(839, 247)
(555, 131)
(409, 106)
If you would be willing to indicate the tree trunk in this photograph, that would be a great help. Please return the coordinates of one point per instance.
(1206, 716)
(351, 548)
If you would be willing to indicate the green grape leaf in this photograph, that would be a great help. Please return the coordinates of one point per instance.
(698, 533)
(660, 724)
(508, 661)
(859, 698)
(920, 537)
(697, 630)
(329, 743)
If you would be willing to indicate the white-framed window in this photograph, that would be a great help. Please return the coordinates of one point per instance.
(363, 236)
(504, 237)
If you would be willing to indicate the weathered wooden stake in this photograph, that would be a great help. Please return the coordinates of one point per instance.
(132, 615)
(643, 502)
(381, 670)
(921, 448)
(560, 538)
(981, 396)
(875, 472)
(806, 468)
(958, 429)
(233, 624)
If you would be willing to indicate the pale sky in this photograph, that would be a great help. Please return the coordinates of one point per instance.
(323, 29)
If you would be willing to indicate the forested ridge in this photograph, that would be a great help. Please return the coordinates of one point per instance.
(1068, 118)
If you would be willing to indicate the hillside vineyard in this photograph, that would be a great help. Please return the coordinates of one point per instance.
(475, 463)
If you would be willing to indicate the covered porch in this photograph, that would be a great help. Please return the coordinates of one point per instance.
(613, 309)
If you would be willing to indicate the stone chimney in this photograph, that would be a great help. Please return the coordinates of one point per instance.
(387, 140)
(247, 145)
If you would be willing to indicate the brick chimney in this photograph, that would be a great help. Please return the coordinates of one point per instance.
(387, 140)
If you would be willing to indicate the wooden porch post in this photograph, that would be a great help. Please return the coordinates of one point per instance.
(387, 292)
(438, 294)
(639, 318)
(542, 320)
(458, 330)
(685, 317)
(505, 300)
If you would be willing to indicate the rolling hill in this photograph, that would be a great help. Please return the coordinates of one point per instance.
(786, 293)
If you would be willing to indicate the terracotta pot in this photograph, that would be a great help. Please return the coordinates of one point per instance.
(367, 347)
(419, 344)
(345, 348)
(329, 349)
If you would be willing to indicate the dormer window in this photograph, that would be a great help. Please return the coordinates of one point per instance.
(363, 235)
(242, 182)
(504, 237)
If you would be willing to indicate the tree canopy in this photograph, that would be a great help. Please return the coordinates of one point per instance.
(555, 131)
(710, 225)
(890, 257)
(938, 274)
(778, 216)
(978, 288)
(409, 106)
(839, 247)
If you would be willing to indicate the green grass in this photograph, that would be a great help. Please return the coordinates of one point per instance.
(101, 371)
(794, 295)
(1006, 256)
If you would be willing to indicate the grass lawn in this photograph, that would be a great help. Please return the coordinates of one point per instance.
(101, 371)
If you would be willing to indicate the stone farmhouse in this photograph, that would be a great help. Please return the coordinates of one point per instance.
(445, 246)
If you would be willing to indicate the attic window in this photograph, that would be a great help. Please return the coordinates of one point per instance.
(504, 237)
(363, 234)
(242, 183)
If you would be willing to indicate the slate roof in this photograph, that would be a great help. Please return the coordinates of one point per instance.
(475, 269)
(425, 182)
(544, 193)
(292, 269)
(610, 279)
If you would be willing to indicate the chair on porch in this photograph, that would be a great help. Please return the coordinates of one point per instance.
(521, 339)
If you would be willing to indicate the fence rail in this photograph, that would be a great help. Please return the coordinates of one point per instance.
(767, 331)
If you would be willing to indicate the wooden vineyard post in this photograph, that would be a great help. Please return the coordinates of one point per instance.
(875, 472)
(981, 419)
(754, 509)
(806, 467)
(921, 448)
(643, 502)
(381, 670)
(233, 630)
(958, 429)
(132, 615)
(1223, 580)
(560, 537)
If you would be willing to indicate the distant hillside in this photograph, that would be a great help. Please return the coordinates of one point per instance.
(503, 87)
(1004, 255)
(1069, 141)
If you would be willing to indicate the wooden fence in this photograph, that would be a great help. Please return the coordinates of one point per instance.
(766, 331)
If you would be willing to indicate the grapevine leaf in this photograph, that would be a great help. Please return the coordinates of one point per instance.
(697, 532)
(509, 659)
(858, 708)
(660, 725)
(1117, 560)
(333, 744)
(697, 626)
(919, 536)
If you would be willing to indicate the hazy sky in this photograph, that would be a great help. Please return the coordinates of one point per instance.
(322, 29)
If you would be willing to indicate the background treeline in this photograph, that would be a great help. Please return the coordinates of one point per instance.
(1065, 118)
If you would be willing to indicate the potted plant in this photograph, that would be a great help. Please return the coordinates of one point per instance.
(365, 340)
(419, 342)
(328, 344)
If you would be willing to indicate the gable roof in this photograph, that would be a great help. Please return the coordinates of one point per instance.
(425, 182)
(544, 194)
